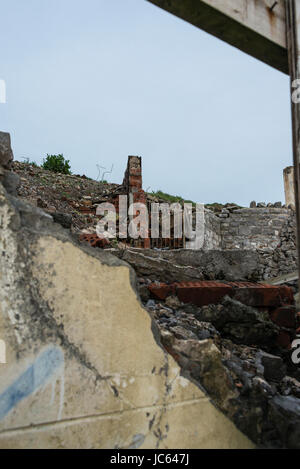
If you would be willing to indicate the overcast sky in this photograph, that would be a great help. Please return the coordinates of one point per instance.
(98, 80)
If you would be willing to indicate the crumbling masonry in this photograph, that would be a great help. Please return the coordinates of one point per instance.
(210, 336)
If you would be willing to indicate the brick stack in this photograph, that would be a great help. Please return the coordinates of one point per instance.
(133, 185)
(278, 301)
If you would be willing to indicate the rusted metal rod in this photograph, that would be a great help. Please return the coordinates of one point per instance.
(293, 44)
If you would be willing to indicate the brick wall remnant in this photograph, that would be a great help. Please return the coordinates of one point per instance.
(133, 186)
(133, 175)
(261, 228)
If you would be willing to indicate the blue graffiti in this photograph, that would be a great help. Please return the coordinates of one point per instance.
(32, 379)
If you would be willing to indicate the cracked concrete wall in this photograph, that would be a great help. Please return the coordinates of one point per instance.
(85, 368)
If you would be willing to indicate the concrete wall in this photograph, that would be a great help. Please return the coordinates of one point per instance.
(84, 369)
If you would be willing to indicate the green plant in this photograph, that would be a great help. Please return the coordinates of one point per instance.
(170, 198)
(57, 164)
(30, 163)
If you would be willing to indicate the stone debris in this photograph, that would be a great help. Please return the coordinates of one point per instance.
(229, 333)
(229, 349)
(63, 196)
(267, 231)
(274, 367)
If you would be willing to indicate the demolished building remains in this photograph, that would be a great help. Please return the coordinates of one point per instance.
(210, 324)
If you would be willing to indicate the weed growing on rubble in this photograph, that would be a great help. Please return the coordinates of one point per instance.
(171, 198)
(57, 164)
(30, 163)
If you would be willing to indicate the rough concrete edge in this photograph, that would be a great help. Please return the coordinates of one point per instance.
(50, 228)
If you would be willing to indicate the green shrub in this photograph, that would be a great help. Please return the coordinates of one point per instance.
(57, 164)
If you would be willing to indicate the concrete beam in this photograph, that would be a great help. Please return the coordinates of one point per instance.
(256, 27)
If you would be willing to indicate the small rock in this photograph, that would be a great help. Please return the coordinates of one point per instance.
(144, 293)
(262, 386)
(173, 302)
(204, 361)
(253, 204)
(274, 368)
(167, 338)
(64, 219)
(41, 203)
(182, 334)
(285, 415)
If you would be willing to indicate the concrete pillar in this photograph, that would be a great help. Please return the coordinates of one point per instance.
(288, 179)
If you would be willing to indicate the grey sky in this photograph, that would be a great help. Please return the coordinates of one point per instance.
(98, 80)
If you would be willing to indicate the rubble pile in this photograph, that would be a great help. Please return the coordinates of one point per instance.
(72, 200)
(230, 350)
(234, 340)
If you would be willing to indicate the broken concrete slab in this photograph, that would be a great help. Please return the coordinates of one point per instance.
(188, 265)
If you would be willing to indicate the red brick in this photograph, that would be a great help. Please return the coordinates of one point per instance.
(147, 243)
(94, 240)
(202, 293)
(285, 316)
(135, 181)
(135, 171)
(161, 291)
(264, 295)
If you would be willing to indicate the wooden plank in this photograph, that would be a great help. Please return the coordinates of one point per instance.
(293, 45)
(256, 27)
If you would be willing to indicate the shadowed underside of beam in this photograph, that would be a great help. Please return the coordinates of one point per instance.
(252, 26)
